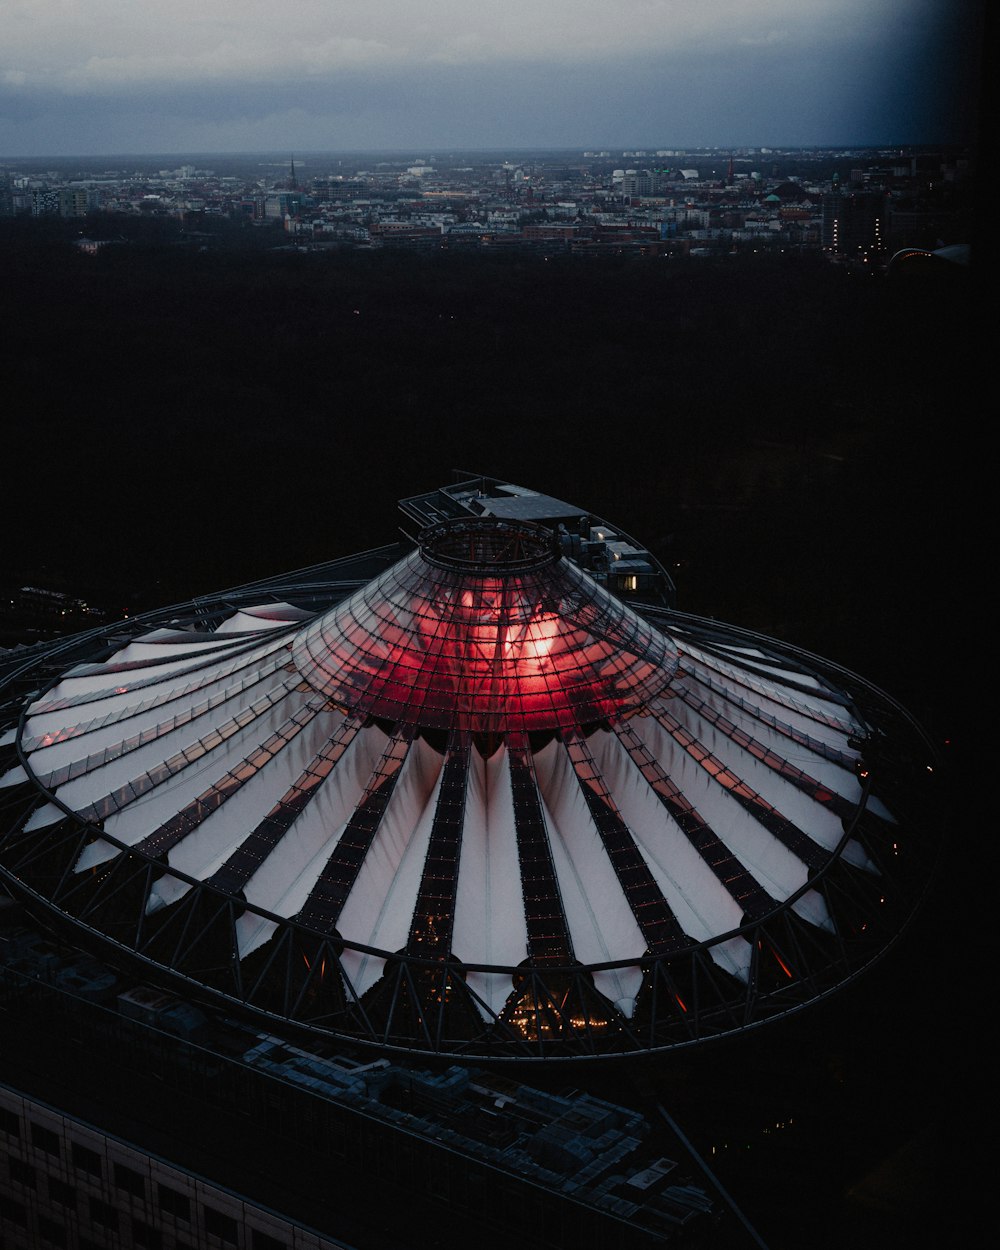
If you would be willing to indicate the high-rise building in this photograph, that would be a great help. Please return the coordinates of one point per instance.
(853, 224)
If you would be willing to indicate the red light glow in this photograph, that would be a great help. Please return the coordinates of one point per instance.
(488, 650)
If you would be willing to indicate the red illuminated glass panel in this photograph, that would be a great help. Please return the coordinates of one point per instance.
(446, 642)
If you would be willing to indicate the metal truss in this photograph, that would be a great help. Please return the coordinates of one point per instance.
(423, 1001)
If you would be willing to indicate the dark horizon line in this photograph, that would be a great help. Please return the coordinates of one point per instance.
(286, 154)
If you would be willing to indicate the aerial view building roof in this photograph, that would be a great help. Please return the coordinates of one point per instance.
(485, 796)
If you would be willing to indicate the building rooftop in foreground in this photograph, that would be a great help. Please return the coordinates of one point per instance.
(484, 797)
(154, 1133)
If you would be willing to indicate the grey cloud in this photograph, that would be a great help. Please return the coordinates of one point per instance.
(896, 85)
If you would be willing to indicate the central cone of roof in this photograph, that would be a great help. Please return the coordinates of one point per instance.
(486, 628)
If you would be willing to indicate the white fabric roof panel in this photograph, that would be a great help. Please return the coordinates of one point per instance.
(765, 708)
(699, 900)
(157, 650)
(489, 926)
(91, 684)
(215, 838)
(283, 881)
(234, 742)
(601, 924)
(42, 817)
(772, 864)
(811, 706)
(152, 715)
(13, 777)
(254, 706)
(809, 758)
(271, 616)
(823, 825)
(149, 812)
(772, 667)
(379, 909)
(122, 697)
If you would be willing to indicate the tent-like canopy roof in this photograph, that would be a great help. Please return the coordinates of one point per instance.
(479, 806)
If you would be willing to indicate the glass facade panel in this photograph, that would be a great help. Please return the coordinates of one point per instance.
(525, 645)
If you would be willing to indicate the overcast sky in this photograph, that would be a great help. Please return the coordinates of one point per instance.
(133, 76)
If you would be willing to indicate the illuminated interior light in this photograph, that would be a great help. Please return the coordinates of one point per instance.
(784, 967)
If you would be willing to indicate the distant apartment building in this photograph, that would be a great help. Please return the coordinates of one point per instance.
(281, 204)
(853, 223)
(404, 234)
(556, 231)
(44, 202)
(73, 202)
(637, 183)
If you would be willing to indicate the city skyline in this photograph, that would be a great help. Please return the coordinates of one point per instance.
(77, 81)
